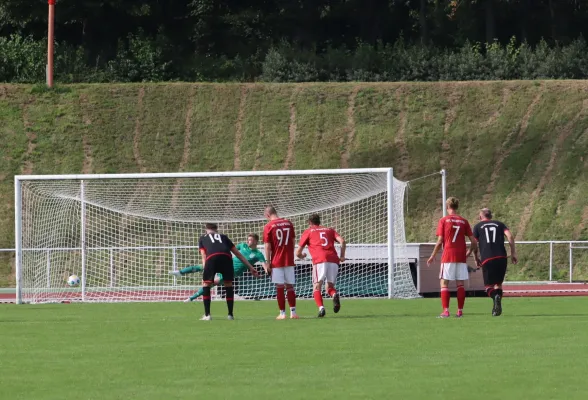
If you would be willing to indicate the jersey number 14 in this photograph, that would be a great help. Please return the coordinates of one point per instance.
(214, 237)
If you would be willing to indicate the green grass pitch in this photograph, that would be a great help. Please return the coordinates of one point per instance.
(376, 349)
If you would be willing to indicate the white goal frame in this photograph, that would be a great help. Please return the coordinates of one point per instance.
(19, 179)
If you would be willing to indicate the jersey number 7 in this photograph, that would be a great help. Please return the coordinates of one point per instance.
(456, 232)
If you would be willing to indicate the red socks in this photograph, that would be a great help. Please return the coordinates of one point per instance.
(490, 291)
(281, 298)
(461, 295)
(445, 296)
(318, 298)
(291, 294)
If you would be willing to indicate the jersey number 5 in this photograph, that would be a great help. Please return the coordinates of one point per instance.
(283, 238)
(324, 240)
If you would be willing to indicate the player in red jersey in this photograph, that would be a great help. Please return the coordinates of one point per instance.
(278, 238)
(325, 260)
(452, 231)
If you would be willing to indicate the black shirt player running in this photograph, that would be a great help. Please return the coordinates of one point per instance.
(490, 235)
(216, 250)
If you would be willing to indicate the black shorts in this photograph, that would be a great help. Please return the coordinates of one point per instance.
(218, 264)
(494, 271)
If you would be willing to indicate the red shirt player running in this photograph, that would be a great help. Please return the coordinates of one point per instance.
(278, 238)
(451, 232)
(325, 260)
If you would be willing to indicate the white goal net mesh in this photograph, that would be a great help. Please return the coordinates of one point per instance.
(124, 236)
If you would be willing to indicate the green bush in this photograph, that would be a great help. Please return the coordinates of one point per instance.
(401, 62)
(22, 59)
(139, 58)
(287, 64)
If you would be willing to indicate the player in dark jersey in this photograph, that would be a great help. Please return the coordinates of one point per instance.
(490, 235)
(216, 250)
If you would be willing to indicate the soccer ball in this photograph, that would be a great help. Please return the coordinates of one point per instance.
(73, 280)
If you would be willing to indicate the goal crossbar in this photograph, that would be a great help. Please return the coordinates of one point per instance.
(225, 174)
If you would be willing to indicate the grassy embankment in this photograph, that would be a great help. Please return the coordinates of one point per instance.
(518, 147)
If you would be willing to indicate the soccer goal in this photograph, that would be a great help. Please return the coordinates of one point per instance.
(123, 233)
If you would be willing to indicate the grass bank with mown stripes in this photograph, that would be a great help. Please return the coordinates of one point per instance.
(518, 147)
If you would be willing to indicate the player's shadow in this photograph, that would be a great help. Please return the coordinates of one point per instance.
(379, 316)
(550, 315)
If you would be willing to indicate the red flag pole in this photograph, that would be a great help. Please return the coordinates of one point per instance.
(50, 40)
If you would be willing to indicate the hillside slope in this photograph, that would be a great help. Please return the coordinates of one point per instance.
(520, 148)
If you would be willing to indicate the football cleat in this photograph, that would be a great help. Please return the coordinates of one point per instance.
(336, 303)
(497, 305)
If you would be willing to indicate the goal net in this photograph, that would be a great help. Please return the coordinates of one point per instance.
(122, 234)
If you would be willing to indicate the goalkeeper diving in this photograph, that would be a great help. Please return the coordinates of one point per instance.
(249, 251)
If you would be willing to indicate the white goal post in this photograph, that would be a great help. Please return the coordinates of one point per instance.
(123, 233)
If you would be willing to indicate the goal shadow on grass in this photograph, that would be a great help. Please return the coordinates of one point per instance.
(566, 315)
(370, 316)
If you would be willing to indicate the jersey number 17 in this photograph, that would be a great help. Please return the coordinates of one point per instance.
(493, 230)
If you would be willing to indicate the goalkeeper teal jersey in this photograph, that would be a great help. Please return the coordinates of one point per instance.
(252, 256)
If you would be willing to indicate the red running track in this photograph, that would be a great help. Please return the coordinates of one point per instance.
(548, 289)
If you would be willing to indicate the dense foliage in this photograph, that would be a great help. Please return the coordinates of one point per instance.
(295, 40)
